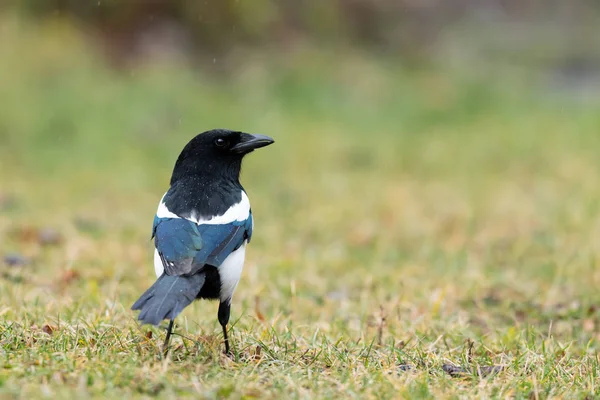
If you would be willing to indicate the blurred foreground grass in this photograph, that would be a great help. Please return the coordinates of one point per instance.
(399, 217)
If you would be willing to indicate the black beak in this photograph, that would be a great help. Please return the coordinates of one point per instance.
(250, 142)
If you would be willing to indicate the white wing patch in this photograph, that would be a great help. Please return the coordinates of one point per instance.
(237, 212)
(230, 272)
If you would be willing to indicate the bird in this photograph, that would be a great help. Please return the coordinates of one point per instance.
(201, 228)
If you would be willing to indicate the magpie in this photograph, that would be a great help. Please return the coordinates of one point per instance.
(201, 229)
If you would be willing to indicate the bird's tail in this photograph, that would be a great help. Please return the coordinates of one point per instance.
(167, 297)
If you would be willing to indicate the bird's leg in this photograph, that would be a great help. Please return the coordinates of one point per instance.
(224, 308)
(168, 338)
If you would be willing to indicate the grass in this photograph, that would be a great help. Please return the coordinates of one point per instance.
(405, 223)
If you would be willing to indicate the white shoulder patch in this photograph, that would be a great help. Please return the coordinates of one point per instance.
(163, 211)
(237, 212)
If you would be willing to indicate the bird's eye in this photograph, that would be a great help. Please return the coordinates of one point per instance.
(220, 142)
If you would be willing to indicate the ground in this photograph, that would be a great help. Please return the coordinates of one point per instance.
(417, 234)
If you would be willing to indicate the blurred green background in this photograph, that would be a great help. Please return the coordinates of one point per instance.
(90, 85)
(435, 161)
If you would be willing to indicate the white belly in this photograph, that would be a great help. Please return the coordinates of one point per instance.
(231, 271)
(158, 265)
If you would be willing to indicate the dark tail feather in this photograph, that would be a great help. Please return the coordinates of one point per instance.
(168, 297)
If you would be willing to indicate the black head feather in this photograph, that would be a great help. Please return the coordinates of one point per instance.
(217, 153)
(205, 179)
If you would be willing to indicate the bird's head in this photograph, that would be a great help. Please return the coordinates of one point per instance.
(218, 151)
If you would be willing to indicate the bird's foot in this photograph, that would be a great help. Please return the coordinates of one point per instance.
(229, 354)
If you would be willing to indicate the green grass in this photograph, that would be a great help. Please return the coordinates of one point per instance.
(421, 219)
